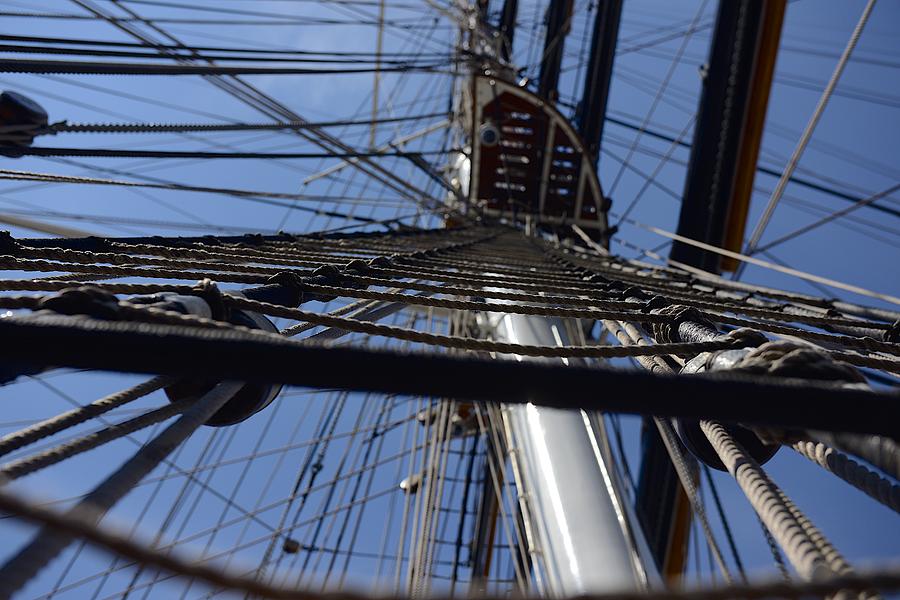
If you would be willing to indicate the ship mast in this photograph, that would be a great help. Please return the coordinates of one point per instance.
(583, 536)
(418, 401)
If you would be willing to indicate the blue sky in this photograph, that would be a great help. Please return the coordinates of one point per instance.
(854, 149)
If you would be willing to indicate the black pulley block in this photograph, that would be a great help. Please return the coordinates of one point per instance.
(21, 119)
(249, 400)
(689, 429)
(697, 443)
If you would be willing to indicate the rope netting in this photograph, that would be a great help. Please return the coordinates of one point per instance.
(400, 403)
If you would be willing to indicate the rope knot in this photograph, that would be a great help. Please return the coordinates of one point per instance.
(790, 359)
(324, 275)
(617, 286)
(357, 265)
(288, 280)
(290, 288)
(655, 303)
(84, 300)
(326, 272)
(634, 291)
(381, 262)
(745, 337)
(210, 293)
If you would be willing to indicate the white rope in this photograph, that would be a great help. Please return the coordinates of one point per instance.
(766, 264)
(805, 137)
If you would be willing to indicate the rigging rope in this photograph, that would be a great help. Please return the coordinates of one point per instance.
(72, 67)
(73, 526)
(471, 262)
(859, 476)
(48, 427)
(246, 50)
(50, 542)
(805, 137)
(66, 127)
(105, 152)
(796, 536)
(768, 265)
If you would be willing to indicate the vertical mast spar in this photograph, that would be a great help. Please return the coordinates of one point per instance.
(583, 534)
(729, 128)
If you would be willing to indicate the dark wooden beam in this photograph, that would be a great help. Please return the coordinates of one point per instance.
(559, 15)
(729, 98)
(592, 110)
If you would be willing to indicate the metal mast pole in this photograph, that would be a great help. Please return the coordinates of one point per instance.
(583, 528)
(583, 535)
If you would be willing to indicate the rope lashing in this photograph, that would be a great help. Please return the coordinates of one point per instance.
(679, 313)
(205, 307)
(771, 359)
(790, 359)
(210, 293)
(83, 300)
